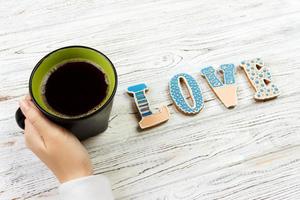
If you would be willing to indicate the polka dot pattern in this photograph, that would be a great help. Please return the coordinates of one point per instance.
(229, 73)
(210, 74)
(261, 79)
(179, 99)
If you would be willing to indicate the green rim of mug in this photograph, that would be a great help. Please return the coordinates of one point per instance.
(70, 53)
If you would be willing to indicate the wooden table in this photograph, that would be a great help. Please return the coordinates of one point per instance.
(249, 152)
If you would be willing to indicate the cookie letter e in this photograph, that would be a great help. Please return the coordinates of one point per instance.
(194, 91)
(226, 91)
(260, 78)
(149, 119)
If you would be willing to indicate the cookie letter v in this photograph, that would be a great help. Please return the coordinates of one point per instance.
(226, 91)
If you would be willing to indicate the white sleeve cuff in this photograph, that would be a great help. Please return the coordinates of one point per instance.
(90, 187)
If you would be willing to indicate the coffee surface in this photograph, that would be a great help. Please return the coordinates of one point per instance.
(75, 88)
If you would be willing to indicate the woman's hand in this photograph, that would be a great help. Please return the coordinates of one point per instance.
(55, 146)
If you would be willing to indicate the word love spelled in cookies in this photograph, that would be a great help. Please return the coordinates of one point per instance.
(225, 88)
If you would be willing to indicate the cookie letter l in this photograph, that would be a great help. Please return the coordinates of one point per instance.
(226, 91)
(260, 78)
(149, 119)
(194, 90)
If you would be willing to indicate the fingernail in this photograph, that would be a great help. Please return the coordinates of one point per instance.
(24, 105)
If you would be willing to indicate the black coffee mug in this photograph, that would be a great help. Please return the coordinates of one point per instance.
(84, 126)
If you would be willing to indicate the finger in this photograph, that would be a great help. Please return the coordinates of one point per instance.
(24, 106)
(33, 139)
(42, 125)
(28, 97)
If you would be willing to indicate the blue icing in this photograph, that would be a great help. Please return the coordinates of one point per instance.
(142, 101)
(209, 73)
(178, 98)
(139, 98)
(214, 81)
(257, 78)
(147, 113)
(137, 88)
(139, 94)
(229, 72)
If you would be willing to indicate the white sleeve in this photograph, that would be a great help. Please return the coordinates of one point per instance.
(90, 187)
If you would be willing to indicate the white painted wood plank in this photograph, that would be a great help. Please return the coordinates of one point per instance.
(250, 152)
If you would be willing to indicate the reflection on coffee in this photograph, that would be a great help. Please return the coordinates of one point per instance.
(75, 88)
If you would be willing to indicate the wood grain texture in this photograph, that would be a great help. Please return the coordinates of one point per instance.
(249, 152)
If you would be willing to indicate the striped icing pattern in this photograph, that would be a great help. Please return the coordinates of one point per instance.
(140, 98)
(142, 103)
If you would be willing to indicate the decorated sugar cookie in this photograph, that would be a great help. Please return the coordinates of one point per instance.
(260, 78)
(225, 91)
(178, 97)
(149, 118)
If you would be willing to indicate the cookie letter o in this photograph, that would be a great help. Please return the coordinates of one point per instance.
(194, 91)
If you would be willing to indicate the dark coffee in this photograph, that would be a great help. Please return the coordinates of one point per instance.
(75, 88)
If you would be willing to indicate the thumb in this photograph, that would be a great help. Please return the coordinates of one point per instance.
(43, 126)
